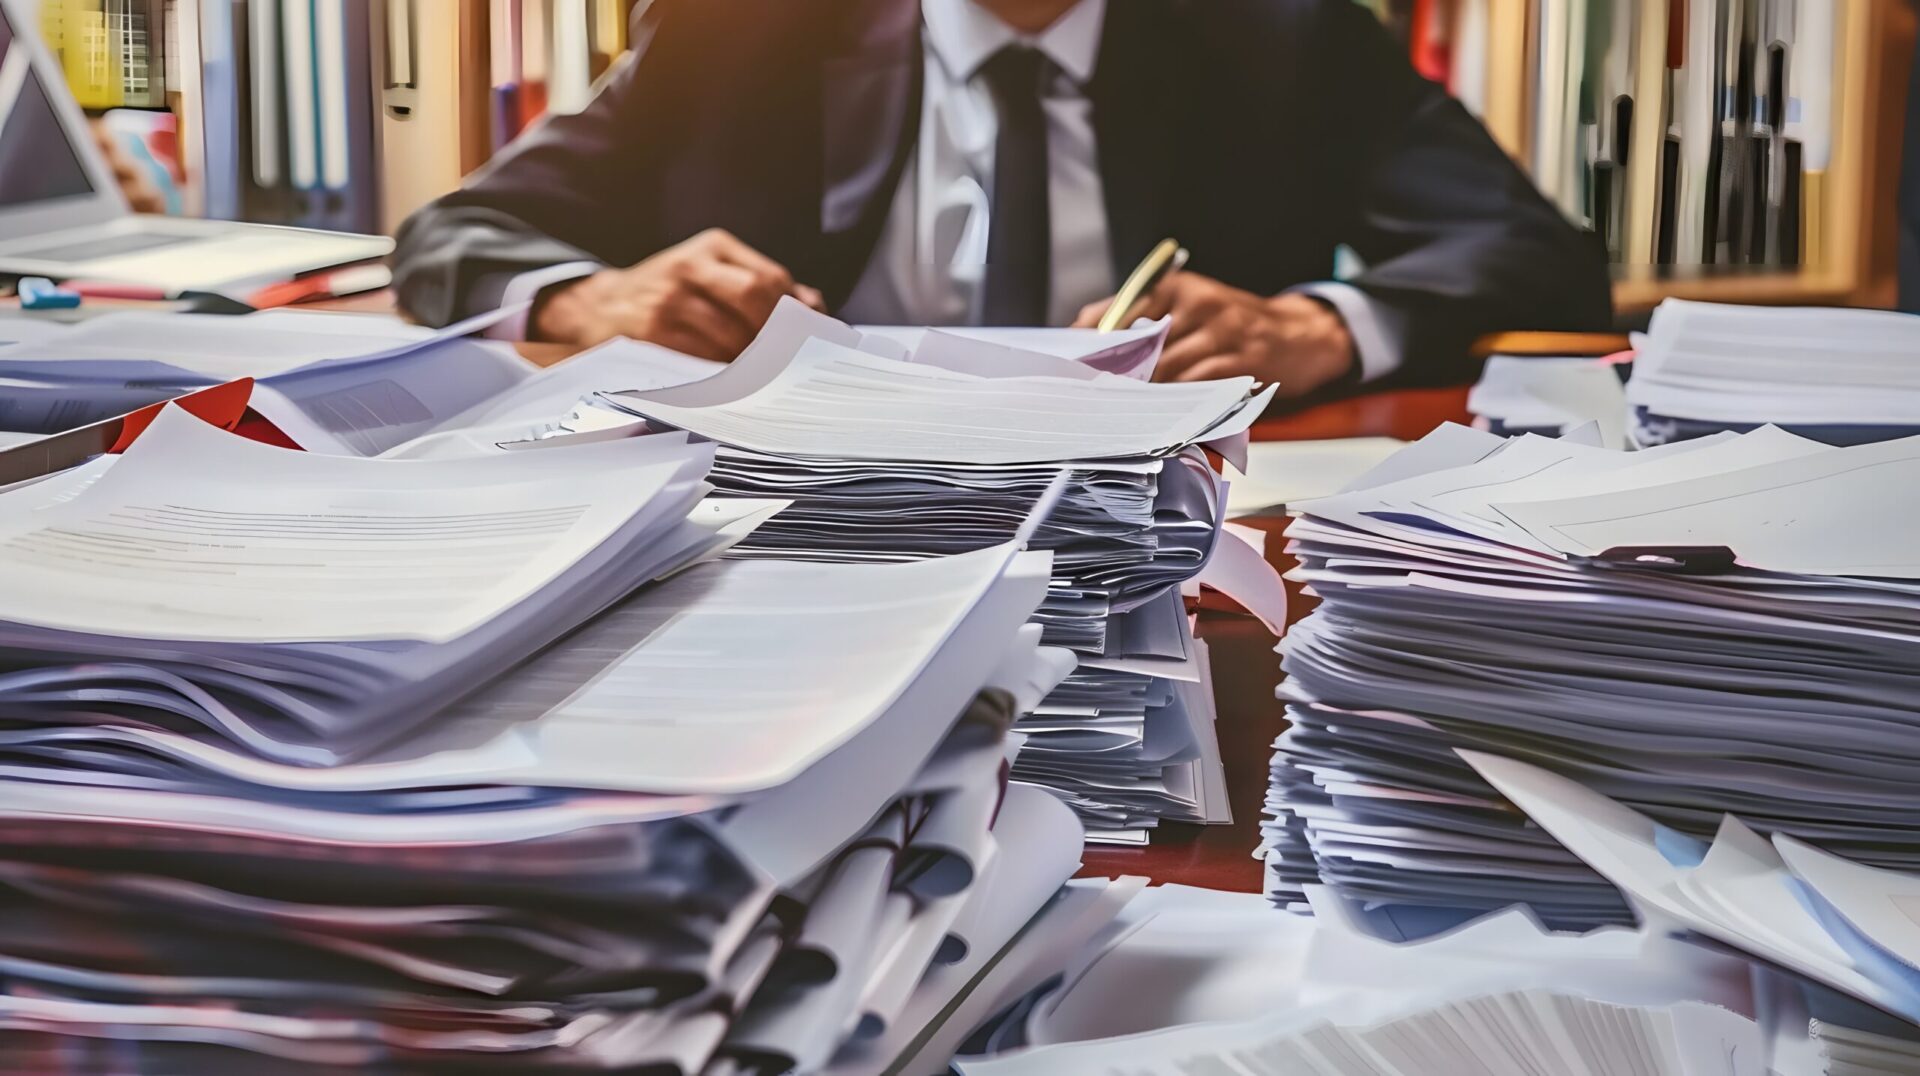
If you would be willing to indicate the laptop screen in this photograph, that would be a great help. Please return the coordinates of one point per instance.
(37, 162)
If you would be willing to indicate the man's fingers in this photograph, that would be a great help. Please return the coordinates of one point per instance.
(694, 312)
(1185, 352)
(748, 296)
(1163, 300)
(771, 274)
(1090, 314)
(810, 296)
(729, 248)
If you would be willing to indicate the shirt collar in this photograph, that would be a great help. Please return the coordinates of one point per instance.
(966, 35)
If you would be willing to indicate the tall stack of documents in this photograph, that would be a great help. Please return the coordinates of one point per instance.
(330, 382)
(322, 763)
(1845, 377)
(1728, 625)
(947, 450)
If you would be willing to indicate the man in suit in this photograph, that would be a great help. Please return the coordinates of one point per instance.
(1008, 162)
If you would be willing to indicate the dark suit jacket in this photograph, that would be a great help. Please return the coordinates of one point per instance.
(1262, 133)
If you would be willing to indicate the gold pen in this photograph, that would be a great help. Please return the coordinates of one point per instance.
(1160, 263)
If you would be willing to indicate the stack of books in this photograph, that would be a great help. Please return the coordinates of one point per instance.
(1685, 133)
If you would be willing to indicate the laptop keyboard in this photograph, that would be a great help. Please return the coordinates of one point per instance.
(111, 246)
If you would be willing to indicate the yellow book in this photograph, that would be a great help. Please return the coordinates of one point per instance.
(1650, 122)
(89, 48)
(1507, 82)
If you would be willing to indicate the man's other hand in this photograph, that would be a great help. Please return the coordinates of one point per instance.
(706, 297)
(1292, 340)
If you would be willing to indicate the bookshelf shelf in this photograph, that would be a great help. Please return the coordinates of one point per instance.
(1810, 193)
(1641, 289)
(338, 114)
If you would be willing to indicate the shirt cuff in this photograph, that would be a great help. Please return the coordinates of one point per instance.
(521, 290)
(1378, 328)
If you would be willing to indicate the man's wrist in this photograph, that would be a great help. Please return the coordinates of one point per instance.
(545, 323)
(532, 288)
(1378, 327)
(1335, 352)
(1352, 374)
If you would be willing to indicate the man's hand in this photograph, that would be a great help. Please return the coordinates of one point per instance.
(1292, 340)
(707, 297)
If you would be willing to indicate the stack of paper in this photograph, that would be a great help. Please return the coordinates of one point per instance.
(333, 382)
(1845, 377)
(1667, 626)
(1850, 1052)
(554, 403)
(754, 816)
(1787, 903)
(948, 449)
(1550, 397)
(308, 607)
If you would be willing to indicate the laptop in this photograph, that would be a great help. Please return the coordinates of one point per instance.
(63, 216)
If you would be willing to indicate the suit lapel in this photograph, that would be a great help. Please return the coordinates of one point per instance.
(1134, 114)
(870, 102)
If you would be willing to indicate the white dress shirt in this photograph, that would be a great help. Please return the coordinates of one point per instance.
(929, 267)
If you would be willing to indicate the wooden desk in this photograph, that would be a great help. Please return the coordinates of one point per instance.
(1246, 670)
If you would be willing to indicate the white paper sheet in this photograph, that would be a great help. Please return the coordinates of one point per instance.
(1449, 445)
(197, 534)
(1280, 473)
(1882, 905)
(1716, 362)
(1621, 845)
(612, 367)
(558, 401)
(22, 329)
(1827, 513)
(1085, 346)
(222, 347)
(1239, 569)
(834, 401)
(1552, 394)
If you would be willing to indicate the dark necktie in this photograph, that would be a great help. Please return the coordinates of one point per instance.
(1020, 232)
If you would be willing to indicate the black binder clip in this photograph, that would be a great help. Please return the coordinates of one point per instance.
(1673, 560)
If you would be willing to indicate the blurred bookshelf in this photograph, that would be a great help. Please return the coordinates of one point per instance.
(342, 114)
(1770, 175)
